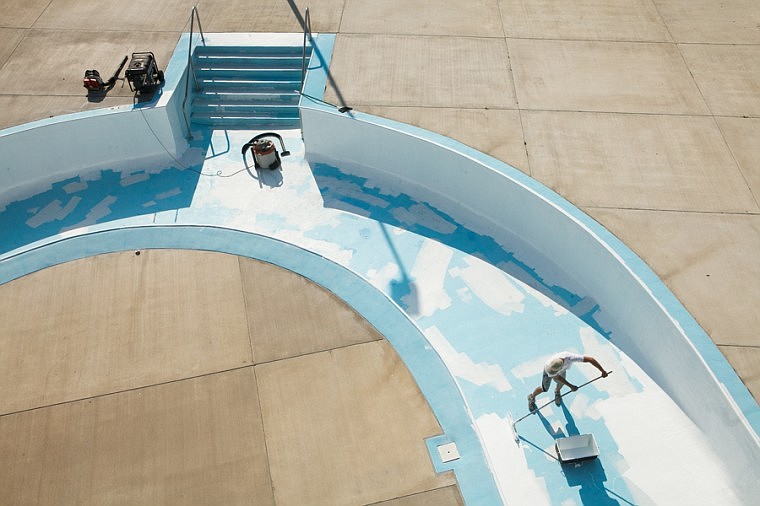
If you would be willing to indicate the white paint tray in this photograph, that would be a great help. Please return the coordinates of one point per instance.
(580, 447)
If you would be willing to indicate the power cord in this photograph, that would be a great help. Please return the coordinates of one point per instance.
(180, 164)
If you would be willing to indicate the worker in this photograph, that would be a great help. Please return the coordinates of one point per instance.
(556, 368)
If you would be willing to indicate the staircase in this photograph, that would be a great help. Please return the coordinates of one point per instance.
(247, 88)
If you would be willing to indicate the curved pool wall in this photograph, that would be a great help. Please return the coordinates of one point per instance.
(586, 268)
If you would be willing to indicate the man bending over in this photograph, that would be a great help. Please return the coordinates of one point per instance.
(555, 368)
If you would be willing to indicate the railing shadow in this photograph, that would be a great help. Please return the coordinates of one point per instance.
(306, 26)
(349, 192)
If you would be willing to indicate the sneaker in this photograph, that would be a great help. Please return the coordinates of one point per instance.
(532, 403)
(557, 398)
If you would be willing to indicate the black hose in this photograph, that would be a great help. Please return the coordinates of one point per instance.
(112, 80)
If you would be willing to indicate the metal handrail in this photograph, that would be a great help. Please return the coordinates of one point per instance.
(306, 29)
(188, 71)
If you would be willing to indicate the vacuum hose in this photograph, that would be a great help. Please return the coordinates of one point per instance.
(112, 80)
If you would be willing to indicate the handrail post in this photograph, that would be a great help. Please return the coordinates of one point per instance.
(188, 70)
(306, 28)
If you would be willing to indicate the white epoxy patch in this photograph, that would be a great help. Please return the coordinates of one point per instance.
(429, 275)
(460, 365)
(52, 212)
(517, 482)
(381, 278)
(651, 433)
(491, 286)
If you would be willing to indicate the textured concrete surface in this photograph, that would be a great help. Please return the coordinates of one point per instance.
(631, 20)
(197, 441)
(334, 427)
(741, 137)
(287, 318)
(662, 162)
(707, 21)
(179, 414)
(604, 76)
(422, 71)
(173, 317)
(478, 18)
(447, 496)
(727, 76)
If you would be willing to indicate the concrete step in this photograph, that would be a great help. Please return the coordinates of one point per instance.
(246, 97)
(243, 87)
(261, 51)
(247, 62)
(245, 123)
(248, 74)
(243, 110)
(230, 84)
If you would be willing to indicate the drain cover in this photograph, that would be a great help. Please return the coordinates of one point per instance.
(448, 452)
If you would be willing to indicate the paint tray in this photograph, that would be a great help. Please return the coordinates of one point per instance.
(573, 448)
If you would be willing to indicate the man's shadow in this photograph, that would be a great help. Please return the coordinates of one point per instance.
(587, 474)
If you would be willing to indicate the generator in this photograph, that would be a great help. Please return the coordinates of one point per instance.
(143, 74)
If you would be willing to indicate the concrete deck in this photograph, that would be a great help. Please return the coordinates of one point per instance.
(640, 114)
(159, 378)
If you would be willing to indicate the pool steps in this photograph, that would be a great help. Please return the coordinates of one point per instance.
(247, 87)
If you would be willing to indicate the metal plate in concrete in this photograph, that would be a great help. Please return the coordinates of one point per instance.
(742, 136)
(603, 76)
(53, 62)
(497, 132)
(197, 441)
(135, 15)
(636, 161)
(21, 13)
(346, 426)
(708, 260)
(479, 18)
(728, 76)
(734, 22)
(289, 315)
(630, 20)
(119, 321)
(395, 70)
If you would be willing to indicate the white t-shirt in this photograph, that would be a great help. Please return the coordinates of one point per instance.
(567, 358)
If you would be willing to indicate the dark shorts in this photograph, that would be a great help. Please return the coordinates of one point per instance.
(546, 381)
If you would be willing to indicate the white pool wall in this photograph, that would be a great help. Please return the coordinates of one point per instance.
(565, 247)
(131, 136)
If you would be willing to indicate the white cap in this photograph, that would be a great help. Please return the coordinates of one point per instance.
(555, 366)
